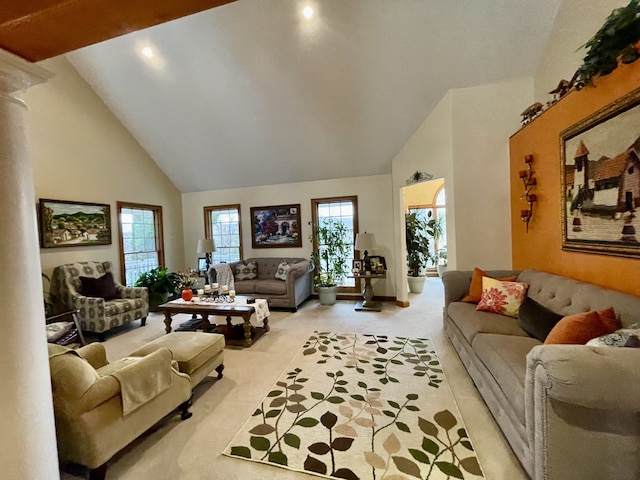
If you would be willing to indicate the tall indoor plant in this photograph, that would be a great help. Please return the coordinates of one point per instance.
(417, 243)
(161, 285)
(332, 247)
(435, 230)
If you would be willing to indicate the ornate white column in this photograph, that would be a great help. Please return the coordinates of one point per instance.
(28, 443)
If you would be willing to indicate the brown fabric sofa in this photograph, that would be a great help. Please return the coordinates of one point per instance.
(289, 293)
(569, 412)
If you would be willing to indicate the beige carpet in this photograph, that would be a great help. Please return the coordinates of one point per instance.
(361, 407)
(192, 449)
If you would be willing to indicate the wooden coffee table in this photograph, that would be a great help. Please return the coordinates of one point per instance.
(248, 335)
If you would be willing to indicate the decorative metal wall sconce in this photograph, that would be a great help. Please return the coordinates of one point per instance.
(529, 182)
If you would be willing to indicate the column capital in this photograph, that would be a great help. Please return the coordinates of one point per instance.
(18, 74)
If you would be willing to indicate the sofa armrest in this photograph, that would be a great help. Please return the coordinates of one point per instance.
(297, 270)
(104, 389)
(132, 292)
(590, 377)
(95, 354)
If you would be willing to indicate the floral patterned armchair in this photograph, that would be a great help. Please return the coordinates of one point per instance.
(97, 314)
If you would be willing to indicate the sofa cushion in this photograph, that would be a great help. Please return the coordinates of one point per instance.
(582, 327)
(103, 287)
(475, 288)
(271, 287)
(244, 287)
(625, 337)
(537, 320)
(502, 297)
(505, 356)
(282, 271)
(471, 322)
(247, 271)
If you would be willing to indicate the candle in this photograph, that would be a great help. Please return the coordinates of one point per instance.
(232, 294)
(522, 173)
(532, 197)
(207, 288)
(215, 286)
(528, 158)
(524, 213)
(225, 288)
(200, 292)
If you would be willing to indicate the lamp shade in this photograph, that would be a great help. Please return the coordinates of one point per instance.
(206, 245)
(365, 241)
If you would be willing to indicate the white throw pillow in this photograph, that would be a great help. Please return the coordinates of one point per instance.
(283, 270)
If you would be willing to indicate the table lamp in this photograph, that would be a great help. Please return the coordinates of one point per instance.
(206, 246)
(366, 241)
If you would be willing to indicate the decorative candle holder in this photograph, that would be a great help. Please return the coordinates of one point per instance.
(529, 182)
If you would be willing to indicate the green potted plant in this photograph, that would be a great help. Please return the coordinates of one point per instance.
(161, 285)
(332, 248)
(435, 230)
(417, 243)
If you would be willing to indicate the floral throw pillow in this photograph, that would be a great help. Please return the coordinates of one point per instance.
(502, 297)
(246, 272)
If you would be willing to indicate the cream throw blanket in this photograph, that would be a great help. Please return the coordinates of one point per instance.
(141, 378)
(224, 275)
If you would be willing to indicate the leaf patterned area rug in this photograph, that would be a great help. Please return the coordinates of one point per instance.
(358, 406)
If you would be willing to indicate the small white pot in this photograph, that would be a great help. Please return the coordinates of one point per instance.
(327, 295)
(416, 284)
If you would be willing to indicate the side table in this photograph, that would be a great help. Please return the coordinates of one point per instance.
(368, 305)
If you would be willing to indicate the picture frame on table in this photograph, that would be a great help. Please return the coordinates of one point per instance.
(64, 223)
(600, 192)
(356, 266)
(378, 264)
(276, 226)
(202, 267)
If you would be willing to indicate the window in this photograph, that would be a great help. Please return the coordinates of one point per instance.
(140, 236)
(222, 223)
(344, 209)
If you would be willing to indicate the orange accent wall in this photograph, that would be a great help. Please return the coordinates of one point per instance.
(541, 247)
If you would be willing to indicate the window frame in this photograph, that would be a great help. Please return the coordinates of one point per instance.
(158, 227)
(208, 224)
(356, 229)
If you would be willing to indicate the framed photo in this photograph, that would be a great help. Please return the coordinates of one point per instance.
(72, 224)
(378, 264)
(276, 227)
(202, 266)
(601, 180)
(356, 266)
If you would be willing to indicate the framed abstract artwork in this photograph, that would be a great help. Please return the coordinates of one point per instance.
(601, 180)
(276, 227)
(73, 224)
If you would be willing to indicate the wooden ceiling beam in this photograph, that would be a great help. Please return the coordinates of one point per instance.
(40, 29)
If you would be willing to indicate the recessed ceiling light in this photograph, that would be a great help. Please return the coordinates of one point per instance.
(147, 52)
(307, 12)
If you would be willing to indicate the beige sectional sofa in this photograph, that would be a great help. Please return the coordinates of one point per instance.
(569, 412)
(288, 293)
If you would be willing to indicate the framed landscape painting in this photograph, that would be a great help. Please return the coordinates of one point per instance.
(72, 224)
(601, 180)
(273, 227)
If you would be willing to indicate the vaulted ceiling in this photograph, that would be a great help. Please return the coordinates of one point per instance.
(253, 92)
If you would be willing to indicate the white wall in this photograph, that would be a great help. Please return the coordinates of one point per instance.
(576, 22)
(484, 118)
(82, 152)
(374, 215)
(465, 140)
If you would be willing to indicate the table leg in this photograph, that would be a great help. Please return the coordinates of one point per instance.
(167, 322)
(247, 330)
(206, 326)
(265, 323)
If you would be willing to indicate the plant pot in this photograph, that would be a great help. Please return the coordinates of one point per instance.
(441, 270)
(327, 295)
(156, 299)
(416, 284)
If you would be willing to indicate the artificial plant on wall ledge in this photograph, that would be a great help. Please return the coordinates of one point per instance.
(616, 41)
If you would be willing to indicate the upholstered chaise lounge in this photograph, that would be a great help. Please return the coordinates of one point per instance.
(101, 407)
(97, 314)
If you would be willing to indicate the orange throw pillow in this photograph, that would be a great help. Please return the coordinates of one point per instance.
(475, 288)
(580, 328)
